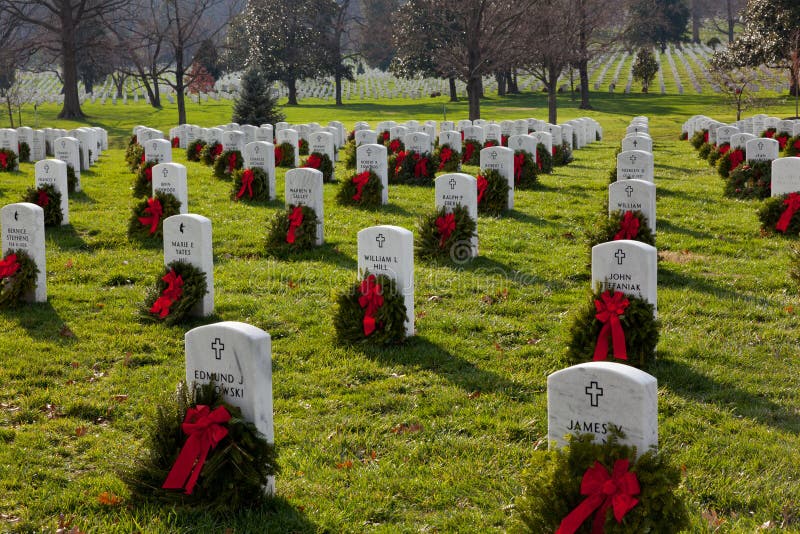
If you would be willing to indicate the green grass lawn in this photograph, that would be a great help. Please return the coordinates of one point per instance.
(432, 435)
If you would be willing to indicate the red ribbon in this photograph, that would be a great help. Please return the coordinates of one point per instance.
(385, 136)
(603, 491)
(553, 150)
(3, 160)
(169, 296)
(421, 167)
(176, 142)
(792, 203)
(769, 133)
(705, 136)
(504, 140)
(198, 148)
(278, 155)
(394, 146)
(724, 148)
(142, 160)
(205, 430)
(538, 159)
(247, 183)
(360, 180)
(314, 161)
(148, 174)
(483, 183)
(155, 210)
(629, 227)
(444, 156)
(797, 145)
(231, 162)
(446, 226)
(217, 150)
(489, 144)
(371, 300)
(519, 161)
(9, 266)
(782, 139)
(42, 198)
(609, 308)
(736, 158)
(398, 162)
(469, 149)
(295, 220)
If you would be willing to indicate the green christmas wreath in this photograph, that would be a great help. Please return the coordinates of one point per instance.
(698, 138)
(284, 155)
(449, 160)
(8, 160)
(792, 147)
(371, 311)
(443, 234)
(704, 151)
(321, 162)
(143, 183)
(783, 140)
(562, 155)
(195, 150)
(72, 179)
(292, 230)
(210, 153)
(227, 162)
(471, 152)
(349, 157)
(18, 274)
(234, 473)
(49, 199)
(416, 169)
(147, 220)
(383, 137)
(524, 170)
(396, 146)
(492, 193)
(134, 154)
(362, 189)
(250, 184)
(640, 328)
(729, 161)
(176, 292)
(684, 136)
(24, 152)
(750, 180)
(621, 225)
(544, 159)
(717, 152)
(781, 214)
(302, 147)
(552, 488)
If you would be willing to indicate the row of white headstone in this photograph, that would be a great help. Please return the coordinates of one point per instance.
(754, 125)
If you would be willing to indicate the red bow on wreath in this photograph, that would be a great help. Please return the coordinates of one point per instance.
(314, 161)
(553, 150)
(295, 220)
(155, 211)
(394, 146)
(231, 162)
(609, 308)
(3, 160)
(792, 204)
(176, 142)
(490, 143)
(446, 226)
(9, 266)
(398, 162)
(538, 160)
(519, 161)
(782, 141)
(42, 198)
(217, 150)
(769, 133)
(371, 300)
(628, 227)
(444, 157)
(198, 148)
(247, 183)
(360, 180)
(142, 160)
(469, 149)
(724, 148)
(170, 295)
(421, 167)
(278, 155)
(737, 157)
(483, 183)
(148, 174)
(205, 430)
(603, 491)
(796, 145)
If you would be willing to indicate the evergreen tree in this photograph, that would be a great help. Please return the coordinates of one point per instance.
(645, 68)
(255, 103)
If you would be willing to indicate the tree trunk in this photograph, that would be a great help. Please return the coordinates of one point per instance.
(180, 87)
(291, 85)
(453, 93)
(10, 112)
(119, 83)
(552, 94)
(731, 20)
(151, 97)
(69, 69)
(338, 83)
(511, 76)
(156, 100)
(89, 85)
(695, 21)
(583, 69)
(474, 90)
(501, 83)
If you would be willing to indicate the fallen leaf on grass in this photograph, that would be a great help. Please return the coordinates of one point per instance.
(75, 365)
(789, 309)
(69, 264)
(108, 499)
(8, 518)
(81, 431)
(474, 395)
(568, 235)
(52, 411)
(66, 332)
(420, 314)
(347, 464)
(434, 298)
(120, 398)
(768, 525)
(127, 361)
(534, 341)
(406, 429)
(292, 284)
(712, 518)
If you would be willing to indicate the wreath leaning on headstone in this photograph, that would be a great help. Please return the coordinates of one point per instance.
(492, 193)
(49, 199)
(133, 154)
(792, 147)
(292, 230)
(230, 477)
(371, 311)
(302, 147)
(18, 274)
(250, 184)
(415, 168)
(24, 152)
(349, 156)
(544, 159)
(698, 138)
(195, 150)
(72, 180)
(752, 179)
(8, 160)
(614, 326)
(210, 153)
(227, 162)
(362, 189)
(645, 497)
(321, 162)
(446, 234)
(143, 183)
(621, 225)
(147, 220)
(171, 299)
(471, 152)
(524, 170)
(284, 155)
(717, 153)
(729, 161)
(781, 214)
(449, 159)
(562, 154)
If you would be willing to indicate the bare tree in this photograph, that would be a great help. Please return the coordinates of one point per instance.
(61, 23)
(341, 45)
(594, 32)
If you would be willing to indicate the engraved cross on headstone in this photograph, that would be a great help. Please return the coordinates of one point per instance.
(217, 347)
(629, 190)
(380, 239)
(635, 143)
(620, 256)
(164, 172)
(494, 154)
(595, 392)
(47, 168)
(369, 152)
(452, 183)
(761, 145)
(633, 158)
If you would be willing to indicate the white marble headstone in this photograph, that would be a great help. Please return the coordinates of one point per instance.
(634, 195)
(451, 138)
(475, 133)
(67, 149)
(635, 164)
(637, 142)
(158, 150)
(170, 178)
(237, 357)
(525, 143)
(261, 155)
(322, 143)
(739, 140)
(233, 140)
(630, 267)
(785, 176)
(762, 149)
(54, 172)
(374, 158)
(288, 135)
(265, 133)
(458, 189)
(724, 134)
(418, 142)
(366, 137)
(23, 228)
(501, 159)
(389, 250)
(187, 238)
(544, 138)
(588, 397)
(38, 145)
(304, 188)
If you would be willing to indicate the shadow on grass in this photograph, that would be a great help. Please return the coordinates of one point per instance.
(421, 353)
(327, 252)
(678, 194)
(66, 238)
(675, 280)
(687, 382)
(488, 267)
(41, 321)
(665, 225)
(81, 197)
